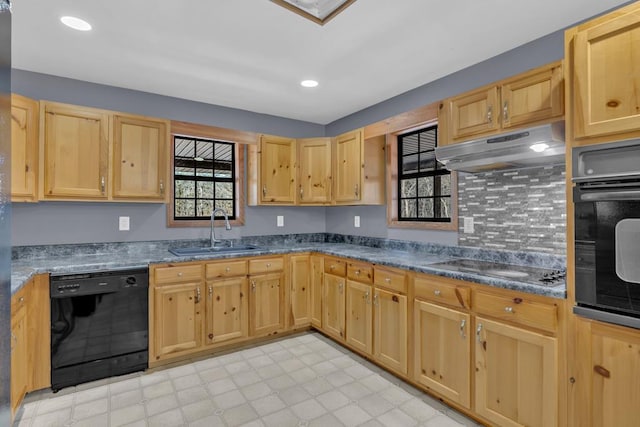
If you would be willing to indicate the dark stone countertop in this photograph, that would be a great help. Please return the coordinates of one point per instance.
(29, 261)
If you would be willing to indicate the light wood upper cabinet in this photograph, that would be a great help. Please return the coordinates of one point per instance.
(606, 74)
(314, 171)
(531, 98)
(349, 156)
(300, 290)
(227, 310)
(76, 152)
(24, 149)
(140, 153)
(277, 170)
(442, 345)
(474, 113)
(516, 381)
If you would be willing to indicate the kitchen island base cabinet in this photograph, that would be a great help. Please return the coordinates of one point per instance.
(516, 375)
(442, 342)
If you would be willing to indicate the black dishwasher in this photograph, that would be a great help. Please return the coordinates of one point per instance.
(99, 325)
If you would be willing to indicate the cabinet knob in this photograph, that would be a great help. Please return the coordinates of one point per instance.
(301, 192)
(356, 190)
(253, 285)
(489, 114)
(508, 309)
(478, 331)
(161, 187)
(180, 274)
(357, 272)
(227, 269)
(462, 325)
(264, 191)
(366, 297)
(375, 299)
(268, 265)
(102, 184)
(388, 280)
(210, 290)
(332, 267)
(197, 295)
(437, 292)
(505, 111)
(21, 299)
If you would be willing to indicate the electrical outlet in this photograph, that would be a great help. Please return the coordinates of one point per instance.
(356, 221)
(280, 221)
(468, 224)
(123, 223)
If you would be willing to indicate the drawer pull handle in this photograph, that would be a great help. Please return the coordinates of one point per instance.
(388, 280)
(21, 299)
(341, 287)
(463, 323)
(505, 111)
(180, 274)
(602, 371)
(253, 285)
(268, 265)
(333, 267)
(437, 292)
(508, 309)
(301, 193)
(197, 295)
(489, 114)
(227, 269)
(357, 272)
(161, 187)
(366, 297)
(102, 184)
(356, 191)
(210, 290)
(264, 191)
(375, 299)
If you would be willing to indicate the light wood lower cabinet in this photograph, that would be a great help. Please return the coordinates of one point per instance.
(227, 311)
(301, 272)
(359, 316)
(516, 375)
(19, 350)
(177, 318)
(317, 278)
(390, 329)
(266, 303)
(442, 345)
(333, 306)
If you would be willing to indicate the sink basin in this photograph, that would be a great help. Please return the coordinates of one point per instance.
(213, 250)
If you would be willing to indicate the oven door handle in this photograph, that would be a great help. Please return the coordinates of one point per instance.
(610, 195)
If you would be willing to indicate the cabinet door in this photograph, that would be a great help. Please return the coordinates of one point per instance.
(314, 166)
(390, 330)
(516, 375)
(533, 97)
(317, 273)
(277, 170)
(442, 341)
(19, 355)
(139, 158)
(24, 148)
(614, 371)
(333, 306)
(227, 311)
(266, 303)
(349, 155)
(177, 320)
(473, 113)
(76, 152)
(606, 70)
(300, 290)
(359, 316)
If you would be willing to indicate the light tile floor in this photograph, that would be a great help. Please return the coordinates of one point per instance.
(304, 380)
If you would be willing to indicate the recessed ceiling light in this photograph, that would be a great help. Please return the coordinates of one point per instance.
(309, 83)
(76, 23)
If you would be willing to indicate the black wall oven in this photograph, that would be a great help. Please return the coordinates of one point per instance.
(607, 232)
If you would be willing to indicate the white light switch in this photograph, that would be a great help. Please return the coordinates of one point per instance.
(356, 221)
(280, 221)
(123, 223)
(468, 224)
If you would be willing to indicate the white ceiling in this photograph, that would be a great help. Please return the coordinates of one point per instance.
(252, 54)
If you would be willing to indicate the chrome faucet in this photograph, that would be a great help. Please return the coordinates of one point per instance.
(226, 225)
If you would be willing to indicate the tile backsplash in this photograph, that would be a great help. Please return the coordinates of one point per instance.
(523, 209)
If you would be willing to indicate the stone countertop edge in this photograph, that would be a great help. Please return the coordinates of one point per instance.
(23, 270)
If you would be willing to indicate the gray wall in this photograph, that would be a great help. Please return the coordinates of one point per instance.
(5, 212)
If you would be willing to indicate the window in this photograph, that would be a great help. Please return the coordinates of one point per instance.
(424, 185)
(204, 173)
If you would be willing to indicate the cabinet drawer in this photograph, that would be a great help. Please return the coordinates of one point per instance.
(226, 269)
(517, 309)
(436, 290)
(178, 273)
(335, 266)
(265, 265)
(390, 279)
(360, 272)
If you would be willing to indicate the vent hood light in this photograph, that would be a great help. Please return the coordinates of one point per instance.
(76, 23)
(539, 147)
(309, 83)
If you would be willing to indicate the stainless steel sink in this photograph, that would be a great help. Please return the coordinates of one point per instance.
(212, 250)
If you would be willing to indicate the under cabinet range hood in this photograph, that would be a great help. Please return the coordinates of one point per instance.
(536, 146)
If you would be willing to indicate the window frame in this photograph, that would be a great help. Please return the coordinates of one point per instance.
(240, 139)
(414, 120)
